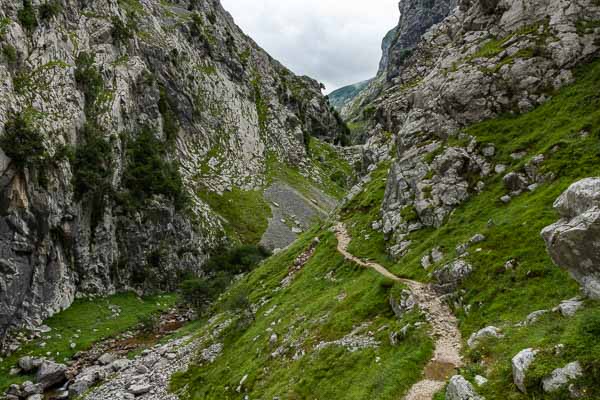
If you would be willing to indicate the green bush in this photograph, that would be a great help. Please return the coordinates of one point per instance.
(26, 16)
(92, 167)
(221, 269)
(10, 53)
(21, 142)
(90, 82)
(238, 260)
(149, 323)
(148, 173)
(198, 293)
(170, 122)
(121, 32)
(50, 9)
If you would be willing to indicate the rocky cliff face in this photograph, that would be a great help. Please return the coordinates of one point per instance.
(485, 59)
(115, 114)
(416, 17)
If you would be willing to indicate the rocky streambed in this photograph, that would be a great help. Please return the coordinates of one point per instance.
(105, 359)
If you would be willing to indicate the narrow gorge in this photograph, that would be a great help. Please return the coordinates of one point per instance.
(183, 217)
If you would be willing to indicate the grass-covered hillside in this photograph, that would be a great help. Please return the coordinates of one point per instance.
(277, 352)
(323, 334)
(566, 130)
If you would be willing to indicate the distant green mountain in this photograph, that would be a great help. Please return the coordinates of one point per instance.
(339, 98)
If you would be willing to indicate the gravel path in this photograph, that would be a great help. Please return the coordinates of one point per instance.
(448, 341)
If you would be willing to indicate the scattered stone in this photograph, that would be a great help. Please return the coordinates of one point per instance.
(572, 242)
(515, 182)
(505, 199)
(480, 380)
(28, 364)
(461, 389)
(478, 238)
(107, 358)
(518, 155)
(404, 304)
(242, 381)
(141, 369)
(51, 373)
(489, 150)
(500, 168)
(452, 274)
(520, 364)
(487, 332)
(28, 388)
(569, 308)
(510, 265)
(535, 316)
(118, 365)
(139, 389)
(560, 377)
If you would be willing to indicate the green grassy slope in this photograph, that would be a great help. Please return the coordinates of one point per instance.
(327, 300)
(566, 130)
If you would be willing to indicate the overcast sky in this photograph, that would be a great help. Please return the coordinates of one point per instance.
(337, 42)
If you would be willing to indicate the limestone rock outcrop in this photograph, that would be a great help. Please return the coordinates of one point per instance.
(486, 58)
(107, 92)
(573, 242)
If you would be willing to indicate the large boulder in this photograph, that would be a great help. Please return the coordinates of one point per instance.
(574, 242)
(50, 374)
(487, 332)
(461, 389)
(452, 274)
(28, 364)
(520, 364)
(562, 376)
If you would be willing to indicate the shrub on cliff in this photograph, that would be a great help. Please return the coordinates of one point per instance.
(21, 142)
(149, 173)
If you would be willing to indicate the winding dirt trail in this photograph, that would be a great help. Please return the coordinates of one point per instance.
(448, 342)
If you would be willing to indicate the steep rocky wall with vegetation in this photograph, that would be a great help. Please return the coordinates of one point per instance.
(116, 116)
(416, 17)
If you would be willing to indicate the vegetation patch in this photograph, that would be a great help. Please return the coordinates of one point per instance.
(149, 173)
(22, 142)
(27, 17)
(221, 269)
(50, 9)
(262, 108)
(245, 213)
(10, 53)
(93, 164)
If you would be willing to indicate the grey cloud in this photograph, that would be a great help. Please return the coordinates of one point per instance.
(336, 42)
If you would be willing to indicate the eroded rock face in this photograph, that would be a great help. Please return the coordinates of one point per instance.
(448, 83)
(574, 242)
(416, 17)
(188, 74)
